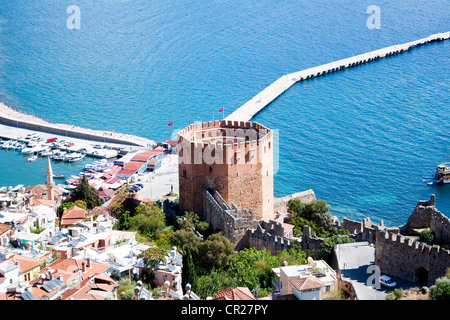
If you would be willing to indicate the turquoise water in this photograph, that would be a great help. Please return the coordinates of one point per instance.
(361, 138)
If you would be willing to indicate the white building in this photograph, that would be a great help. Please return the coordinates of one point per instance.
(306, 282)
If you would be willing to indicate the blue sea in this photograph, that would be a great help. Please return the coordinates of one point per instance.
(361, 138)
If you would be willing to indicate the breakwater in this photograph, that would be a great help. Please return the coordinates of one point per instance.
(247, 111)
(17, 119)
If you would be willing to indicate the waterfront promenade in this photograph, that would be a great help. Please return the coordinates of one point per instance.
(247, 111)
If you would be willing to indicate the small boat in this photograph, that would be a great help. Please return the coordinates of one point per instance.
(59, 176)
(442, 175)
(32, 158)
(75, 157)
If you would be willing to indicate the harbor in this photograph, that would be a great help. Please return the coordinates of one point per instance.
(247, 111)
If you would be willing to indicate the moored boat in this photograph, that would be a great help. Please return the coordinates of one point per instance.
(32, 158)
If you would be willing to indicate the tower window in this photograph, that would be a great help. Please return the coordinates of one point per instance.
(184, 173)
(210, 169)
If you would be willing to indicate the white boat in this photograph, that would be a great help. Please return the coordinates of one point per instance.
(32, 158)
(50, 152)
(43, 149)
(34, 149)
(75, 157)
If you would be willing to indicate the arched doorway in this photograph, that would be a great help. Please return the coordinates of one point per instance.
(421, 276)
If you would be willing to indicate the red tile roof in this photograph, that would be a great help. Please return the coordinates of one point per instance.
(133, 165)
(126, 172)
(306, 283)
(69, 270)
(142, 157)
(72, 215)
(172, 142)
(4, 228)
(238, 293)
(25, 263)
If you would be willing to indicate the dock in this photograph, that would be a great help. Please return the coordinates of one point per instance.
(247, 111)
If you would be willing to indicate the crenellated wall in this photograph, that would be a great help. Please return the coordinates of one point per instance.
(409, 259)
(240, 227)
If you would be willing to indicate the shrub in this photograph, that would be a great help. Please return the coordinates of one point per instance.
(398, 293)
(441, 289)
(390, 296)
(427, 236)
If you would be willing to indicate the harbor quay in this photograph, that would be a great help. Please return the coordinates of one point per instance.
(247, 111)
(16, 125)
(17, 120)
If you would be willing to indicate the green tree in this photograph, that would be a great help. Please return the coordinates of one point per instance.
(124, 221)
(441, 288)
(189, 274)
(148, 209)
(152, 256)
(85, 192)
(215, 252)
(186, 240)
(327, 246)
(253, 268)
(81, 204)
(149, 226)
(208, 285)
(65, 205)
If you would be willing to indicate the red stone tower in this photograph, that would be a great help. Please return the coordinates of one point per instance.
(233, 157)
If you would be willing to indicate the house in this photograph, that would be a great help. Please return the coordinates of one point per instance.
(96, 287)
(307, 288)
(170, 145)
(43, 216)
(28, 239)
(154, 164)
(238, 293)
(60, 276)
(9, 275)
(288, 230)
(168, 272)
(28, 267)
(72, 215)
(122, 258)
(311, 281)
(5, 234)
(79, 239)
(106, 194)
(14, 198)
(41, 192)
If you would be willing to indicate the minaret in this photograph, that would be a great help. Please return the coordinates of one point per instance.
(50, 183)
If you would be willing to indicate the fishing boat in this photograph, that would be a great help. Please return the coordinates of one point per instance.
(32, 158)
(442, 175)
(59, 176)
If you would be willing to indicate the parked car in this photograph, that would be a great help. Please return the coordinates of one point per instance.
(387, 282)
(52, 139)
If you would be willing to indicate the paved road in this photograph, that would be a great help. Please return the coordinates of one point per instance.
(158, 184)
(356, 263)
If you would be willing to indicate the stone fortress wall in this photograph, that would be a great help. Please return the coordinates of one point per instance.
(404, 256)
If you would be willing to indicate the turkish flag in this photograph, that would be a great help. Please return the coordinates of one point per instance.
(221, 110)
(170, 124)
